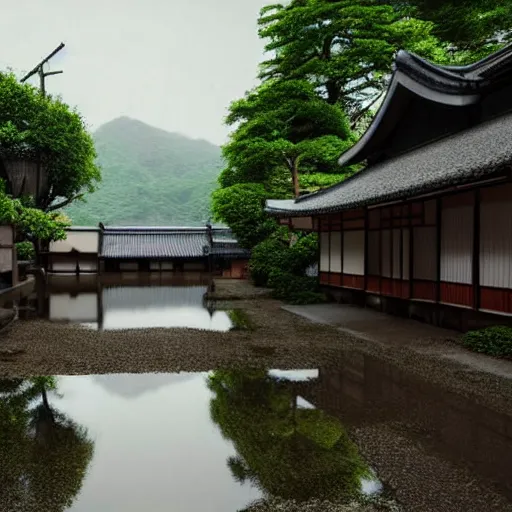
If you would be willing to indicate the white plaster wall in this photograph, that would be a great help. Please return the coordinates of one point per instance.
(374, 253)
(457, 244)
(64, 267)
(88, 266)
(425, 264)
(6, 254)
(6, 235)
(353, 252)
(5, 260)
(496, 243)
(167, 265)
(324, 252)
(336, 251)
(81, 308)
(83, 241)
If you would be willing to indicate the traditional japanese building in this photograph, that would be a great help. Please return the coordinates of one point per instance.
(425, 229)
(148, 249)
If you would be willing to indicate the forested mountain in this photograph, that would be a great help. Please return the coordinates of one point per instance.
(150, 177)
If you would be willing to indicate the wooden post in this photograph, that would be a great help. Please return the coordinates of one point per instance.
(476, 250)
(439, 210)
(366, 259)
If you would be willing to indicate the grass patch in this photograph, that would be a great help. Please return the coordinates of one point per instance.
(494, 341)
(240, 320)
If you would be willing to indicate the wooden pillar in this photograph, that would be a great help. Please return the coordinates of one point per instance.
(329, 229)
(366, 259)
(439, 214)
(411, 254)
(342, 245)
(476, 250)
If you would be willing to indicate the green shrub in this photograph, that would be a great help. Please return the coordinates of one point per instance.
(295, 289)
(286, 284)
(25, 251)
(276, 254)
(494, 341)
(267, 256)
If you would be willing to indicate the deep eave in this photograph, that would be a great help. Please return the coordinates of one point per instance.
(476, 154)
(454, 89)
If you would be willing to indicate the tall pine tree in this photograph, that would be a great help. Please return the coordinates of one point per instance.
(284, 126)
(344, 47)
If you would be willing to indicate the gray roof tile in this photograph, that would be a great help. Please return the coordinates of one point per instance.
(153, 243)
(461, 158)
(229, 249)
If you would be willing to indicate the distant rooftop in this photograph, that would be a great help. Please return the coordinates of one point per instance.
(168, 242)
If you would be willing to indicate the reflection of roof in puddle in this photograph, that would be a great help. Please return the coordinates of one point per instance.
(294, 375)
(135, 385)
(147, 296)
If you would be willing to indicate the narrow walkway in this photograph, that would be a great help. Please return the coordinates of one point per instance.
(395, 332)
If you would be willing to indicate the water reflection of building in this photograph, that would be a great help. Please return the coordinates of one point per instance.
(124, 303)
(369, 393)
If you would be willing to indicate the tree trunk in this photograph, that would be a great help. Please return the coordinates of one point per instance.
(46, 405)
(295, 178)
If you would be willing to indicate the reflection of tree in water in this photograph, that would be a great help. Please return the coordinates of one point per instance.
(285, 451)
(43, 454)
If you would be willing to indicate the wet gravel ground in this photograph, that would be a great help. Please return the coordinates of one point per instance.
(421, 481)
(279, 505)
(279, 340)
(282, 340)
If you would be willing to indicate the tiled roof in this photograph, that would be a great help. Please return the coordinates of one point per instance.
(467, 156)
(425, 101)
(229, 249)
(154, 243)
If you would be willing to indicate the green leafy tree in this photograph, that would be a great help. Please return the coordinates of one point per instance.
(345, 47)
(284, 125)
(284, 450)
(241, 208)
(31, 223)
(473, 28)
(33, 126)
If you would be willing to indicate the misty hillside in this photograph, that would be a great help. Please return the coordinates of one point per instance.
(150, 177)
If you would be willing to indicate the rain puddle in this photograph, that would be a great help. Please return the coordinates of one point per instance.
(214, 441)
(365, 434)
(137, 306)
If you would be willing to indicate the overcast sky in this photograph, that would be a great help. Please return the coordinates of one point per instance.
(173, 64)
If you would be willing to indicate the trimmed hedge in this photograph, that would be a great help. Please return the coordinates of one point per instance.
(494, 341)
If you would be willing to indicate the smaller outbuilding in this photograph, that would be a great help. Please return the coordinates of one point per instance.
(153, 249)
(148, 249)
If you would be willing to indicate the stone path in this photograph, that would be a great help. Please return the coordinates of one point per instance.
(395, 332)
